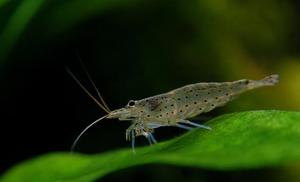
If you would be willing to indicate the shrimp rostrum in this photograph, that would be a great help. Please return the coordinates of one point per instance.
(175, 107)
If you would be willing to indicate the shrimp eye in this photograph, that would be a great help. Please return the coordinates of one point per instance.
(131, 103)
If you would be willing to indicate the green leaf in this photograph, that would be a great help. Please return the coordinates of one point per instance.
(16, 25)
(3, 2)
(238, 141)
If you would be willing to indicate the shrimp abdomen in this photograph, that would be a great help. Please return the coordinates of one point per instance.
(198, 98)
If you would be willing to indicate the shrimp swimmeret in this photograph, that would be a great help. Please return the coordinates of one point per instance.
(175, 107)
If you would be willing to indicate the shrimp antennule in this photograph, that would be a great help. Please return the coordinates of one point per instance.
(87, 92)
(92, 82)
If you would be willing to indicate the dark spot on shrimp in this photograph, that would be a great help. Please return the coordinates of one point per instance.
(172, 105)
(226, 94)
(247, 82)
(148, 115)
(212, 105)
(216, 98)
(208, 93)
(166, 107)
(186, 97)
(186, 105)
(200, 108)
(178, 98)
(205, 100)
(197, 95)
(195, 102)
(153, 104)
(160, 115)
(180, 111)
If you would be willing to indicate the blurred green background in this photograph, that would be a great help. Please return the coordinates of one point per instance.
(135, 49)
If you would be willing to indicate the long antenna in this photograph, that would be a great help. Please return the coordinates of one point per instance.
(94, 85)
(86, 91)
(79, 136)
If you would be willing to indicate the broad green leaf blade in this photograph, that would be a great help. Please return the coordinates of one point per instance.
(238, 141)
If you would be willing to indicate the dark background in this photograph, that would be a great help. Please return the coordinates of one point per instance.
(136, 49)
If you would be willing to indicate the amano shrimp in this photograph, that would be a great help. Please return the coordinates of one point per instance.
(174, 108)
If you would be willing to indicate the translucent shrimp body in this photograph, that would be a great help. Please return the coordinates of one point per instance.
(175, 107)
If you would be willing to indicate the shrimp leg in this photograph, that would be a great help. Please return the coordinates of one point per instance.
(149, 137)
(152, 138)
(183, 126)
(132, 141)
(195, 124)
(130, 135)
(191, 123)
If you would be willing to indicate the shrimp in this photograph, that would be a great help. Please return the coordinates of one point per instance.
(174, 108)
